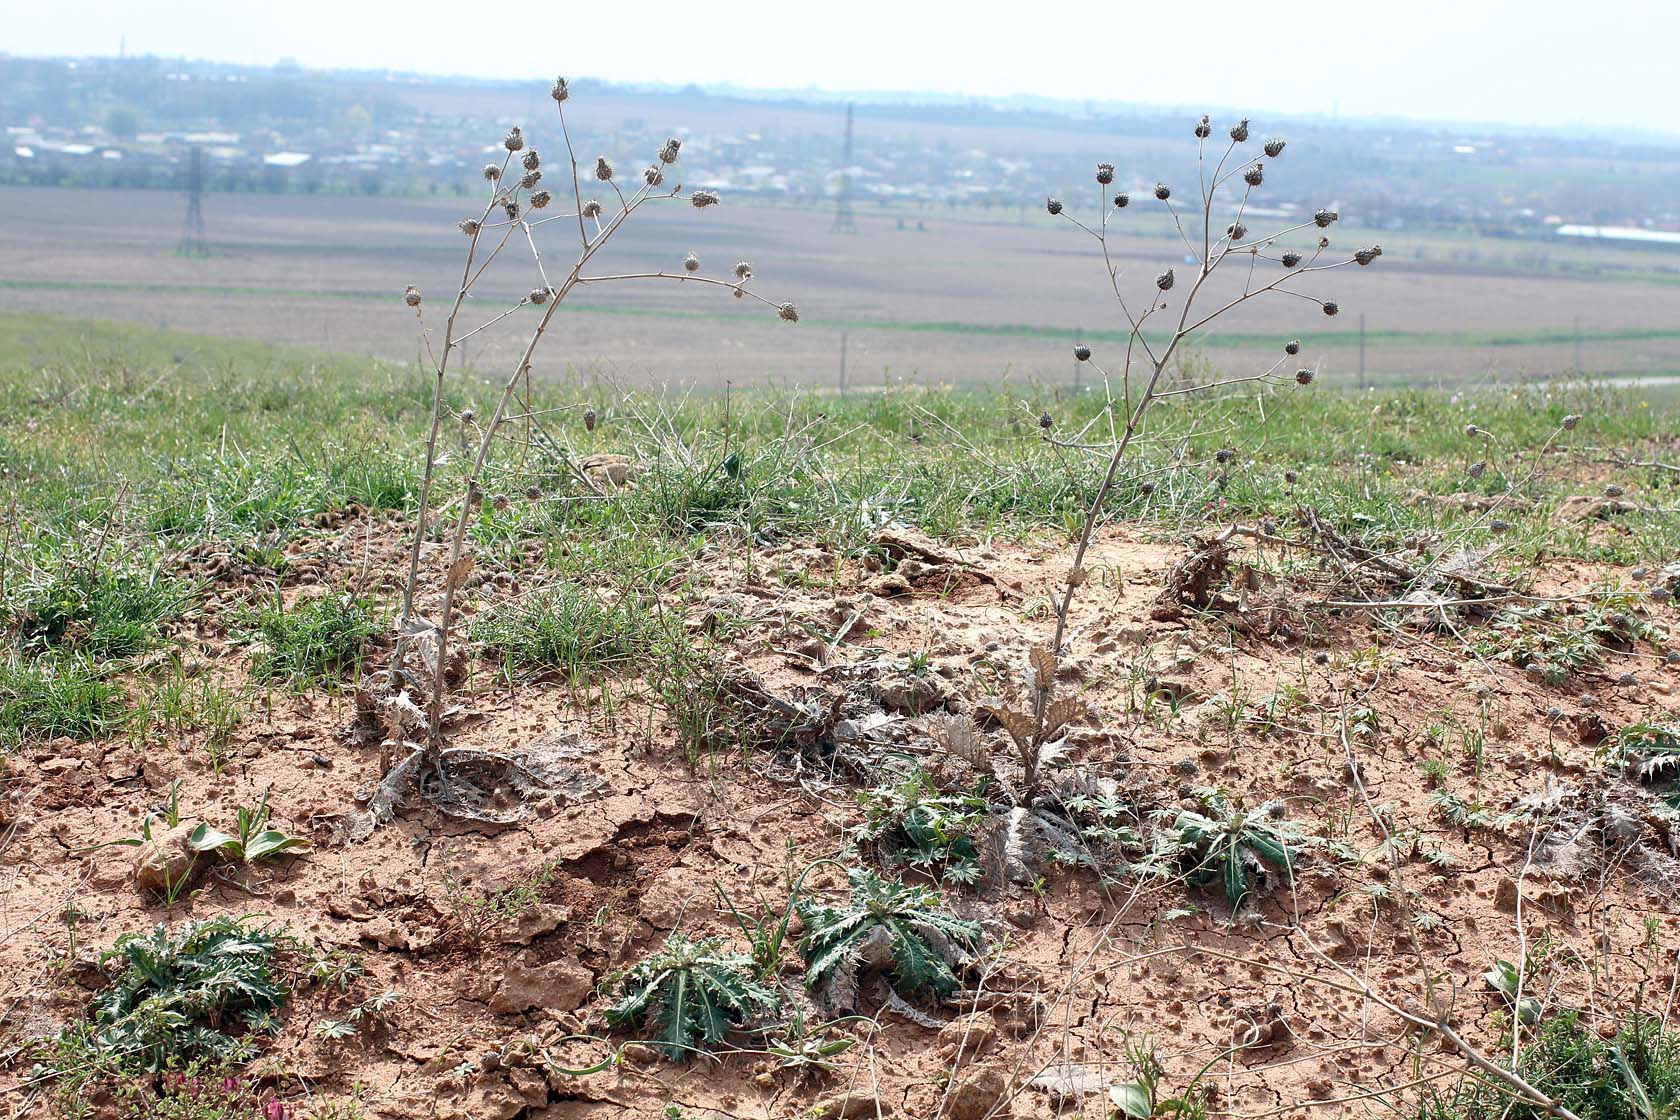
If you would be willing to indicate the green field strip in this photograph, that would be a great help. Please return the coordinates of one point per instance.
(1213, 340)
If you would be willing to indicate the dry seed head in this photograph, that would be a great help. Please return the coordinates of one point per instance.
(559, 91)
(1472, 431)
(1496, 526)
(603, 169)
(1611, 490)
(499, 502)
(1321, 658)
(1046, 422)
(514, 140)
(789, 312)
(531, 160)
(1121, 201)
(653, 175)
(1162, 191)
(743, 270)
(1331, 307)
(1081, 353)
(1203, 129)
(533, 492)
(1105, 173)
(1239, 131)
(467, 415)
(1165, 280)
(691, 263)
(1477, 469)
(1236, 231)
(492, 172)
(1146, 489)
(1323, 218)
(1570, 421)
(1291, 259)
(1224, 455)
(511, 208)
(1053, 205)
(703, 199)
(589, 419)
(1274, 147)
(530, 179)
(411, 296)
(1289, 477)
(539, 199)
(468, 226)
(1293, 346)
(1303, 377)
(592, 209)
(1254, 175)
(538, 296)
(668, 154)
(1366, 256)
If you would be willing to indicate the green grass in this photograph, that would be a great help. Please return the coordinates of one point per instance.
(49, 697)
(1635, 1075)
(237, 446)
(173, 702)
(100, 612)
(312, 643)
(568, 628)
(157, 442)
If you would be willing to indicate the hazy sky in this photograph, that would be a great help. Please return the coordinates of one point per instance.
(1536, 62)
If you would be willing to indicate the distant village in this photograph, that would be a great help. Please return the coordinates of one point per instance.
(134, 124)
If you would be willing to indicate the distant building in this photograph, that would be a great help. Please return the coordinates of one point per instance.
(1621, 233)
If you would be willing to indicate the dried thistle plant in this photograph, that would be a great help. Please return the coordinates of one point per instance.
(1144, 361)
(1035, 727)
(412, 709)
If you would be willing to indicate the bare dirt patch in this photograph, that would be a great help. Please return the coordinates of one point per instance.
(1082, 965)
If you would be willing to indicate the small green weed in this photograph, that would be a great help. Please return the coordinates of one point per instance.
(884, 923)
(251, 840)
(932, 831)
(179, 995)
(477, 915)
(1229, 844)
(693, 992)
(1504, 978)
(371, 1012)
(1650, 752)
(1459, 813)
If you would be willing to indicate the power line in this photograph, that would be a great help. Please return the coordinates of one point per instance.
(844, 222)
(193, 243)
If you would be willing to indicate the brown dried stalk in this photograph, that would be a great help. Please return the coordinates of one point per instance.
(1214, 251)
(1155, 358)
(518, 199)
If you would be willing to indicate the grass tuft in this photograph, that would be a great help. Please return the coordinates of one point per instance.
(98, 613)
(316, 642)
(54, 696)
(569, 628)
